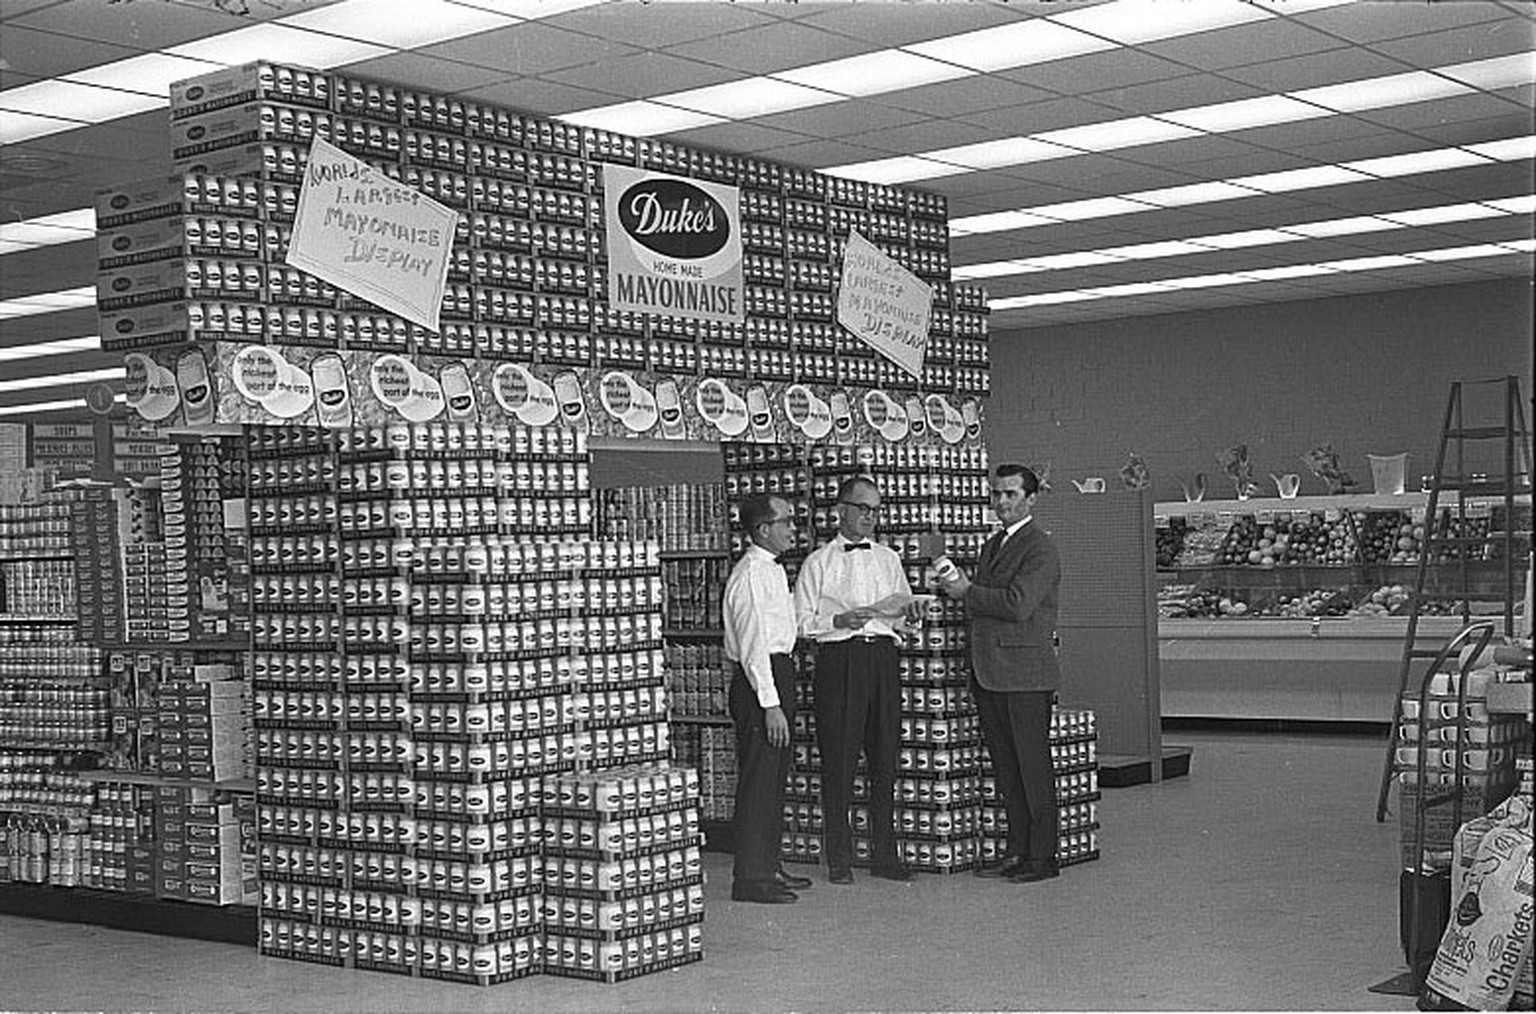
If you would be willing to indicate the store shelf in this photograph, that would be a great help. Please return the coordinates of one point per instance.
(142, 913)
(1256, 505)
(37, 618)
(697, 634)
(141, 778)
(695, 554)
(702, 719)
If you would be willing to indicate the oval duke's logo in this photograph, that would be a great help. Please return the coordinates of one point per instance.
(674, 218)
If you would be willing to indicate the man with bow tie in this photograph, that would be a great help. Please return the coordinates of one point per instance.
(1012, 601)
(858, 685)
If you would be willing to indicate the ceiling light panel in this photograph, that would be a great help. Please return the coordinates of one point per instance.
(756, 96)
(1263, 111)
(1021, 44)
(48, 302)
(1496, 72)
(1382, 92)
(1438, 160)
(1116, 134)
(1129, 22)
(61, 347)
(61, 379)
(874, 73)
(401, 25)
(260, 42)
(1005, 151)
(1341, 227)
(901, 169)
(64, 105)
(49, 230)
(1419, 217)
(642, 119)
(1299, 179)
(31, 407)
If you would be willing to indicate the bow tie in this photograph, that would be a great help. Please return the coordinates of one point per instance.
(850, 547)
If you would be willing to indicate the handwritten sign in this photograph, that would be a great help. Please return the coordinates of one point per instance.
(372, 236)
(884, 304)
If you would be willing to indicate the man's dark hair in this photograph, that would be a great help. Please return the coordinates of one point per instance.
(757, 510)
(855, 482)
(1031, 481)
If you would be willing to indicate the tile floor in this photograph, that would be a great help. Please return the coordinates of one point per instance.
(1259, 882)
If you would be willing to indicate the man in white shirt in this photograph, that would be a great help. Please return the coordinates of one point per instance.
(759, 640)
(858, 676)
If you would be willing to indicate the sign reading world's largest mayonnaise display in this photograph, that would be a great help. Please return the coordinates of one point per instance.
(372, 236)
(674, 245)
(884, 304)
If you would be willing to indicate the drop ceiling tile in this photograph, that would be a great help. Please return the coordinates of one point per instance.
(753, 138)
(880, 25)
(1246, 160)
(420, 70)
(965, 96)
(1037, 117)
(1475, 183)
(920, 135)
(534, 95)
(662, 26)
(1243, 44)
(536, 47)
(773, 47)
(1375, 23)
(148, 26)
(643, 75)
(1118, 68)
(1152, 97)
(43, 54)
(799, 152)
(1315, 69)
(1288, 137)
(1369, 142)
(1456, 45)
(1421, 115)
(1486, 230)
(1517, 122)
(46, 327)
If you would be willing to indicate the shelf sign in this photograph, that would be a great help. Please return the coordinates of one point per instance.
(884, 305)
(674, 245)
(372, 236)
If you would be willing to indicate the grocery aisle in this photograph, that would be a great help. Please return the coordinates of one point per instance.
(1260, 882)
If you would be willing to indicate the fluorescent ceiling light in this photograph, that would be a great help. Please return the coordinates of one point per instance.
(1513, 149)
(1135, 21)
(1525, 204)
(62, 379)
(1262, 111)
(261, 42)
(1115, 134)
(1152, 251)
(1340, 227)
(1437, 160)
(60, 347)
(1021, 44)
(875, 73)
(901, 169)
(150, 74)
(1041, 299)
(50, 406)
(1299, 6)
(401, 25)
(1496, 72)
(750, 97)
(993, 269)
(1004, 151)
(48, 302)
(1092, 207)
(1507, 149)
(1063, 261)
(1299, 179)
(1371, 263)
(1285, 271)
(1129, 289)
(57, 101)
(1246, 238)
(1418, 217)
(1521, 245)
(48, 230)
(1464, 253)
(1382, 92)
(642, 119)
(997, 221)
(1206, 281)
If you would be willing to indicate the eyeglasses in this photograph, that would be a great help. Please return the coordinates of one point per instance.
(865, 510)
(785, 520)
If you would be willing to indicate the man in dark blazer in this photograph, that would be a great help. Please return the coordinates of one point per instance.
(1011, 601)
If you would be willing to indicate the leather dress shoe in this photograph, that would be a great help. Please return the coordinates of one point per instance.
(1031, 872)
(789, 881)
(895, 870)
(763, 894)
(840, 875)
(1005, 867)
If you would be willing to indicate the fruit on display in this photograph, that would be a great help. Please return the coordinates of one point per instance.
(1186, 601)
(1316, 602)
(1451, 526)
(1301, 539)
(1170, 541)
(1387, 600)
(1389, 536)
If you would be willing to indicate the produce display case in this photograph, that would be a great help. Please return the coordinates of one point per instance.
(1297, 608)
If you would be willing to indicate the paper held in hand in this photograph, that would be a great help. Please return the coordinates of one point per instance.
(895, 604)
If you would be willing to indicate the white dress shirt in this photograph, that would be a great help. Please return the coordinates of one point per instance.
(759, 619)
(835, 579)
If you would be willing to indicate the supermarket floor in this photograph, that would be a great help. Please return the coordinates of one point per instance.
(1261, 881)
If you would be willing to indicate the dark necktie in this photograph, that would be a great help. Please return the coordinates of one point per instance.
(992, 548)
(850, 547)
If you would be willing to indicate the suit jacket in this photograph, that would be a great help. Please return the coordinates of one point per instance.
(1012, 604)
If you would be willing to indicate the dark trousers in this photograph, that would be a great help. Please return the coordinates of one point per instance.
(1017, 728)
(760, 773)
(858, 706)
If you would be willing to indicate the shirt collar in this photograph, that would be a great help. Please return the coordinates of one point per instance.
(754, 549)
(1009, 532)
(843, 540)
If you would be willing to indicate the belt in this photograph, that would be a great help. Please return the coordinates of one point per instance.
(863, 639)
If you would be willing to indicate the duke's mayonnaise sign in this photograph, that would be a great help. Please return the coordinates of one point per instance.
(674, 245)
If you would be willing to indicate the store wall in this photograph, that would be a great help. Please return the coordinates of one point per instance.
(1369, 373)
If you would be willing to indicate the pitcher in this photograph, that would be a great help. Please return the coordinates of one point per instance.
(1287, 485)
